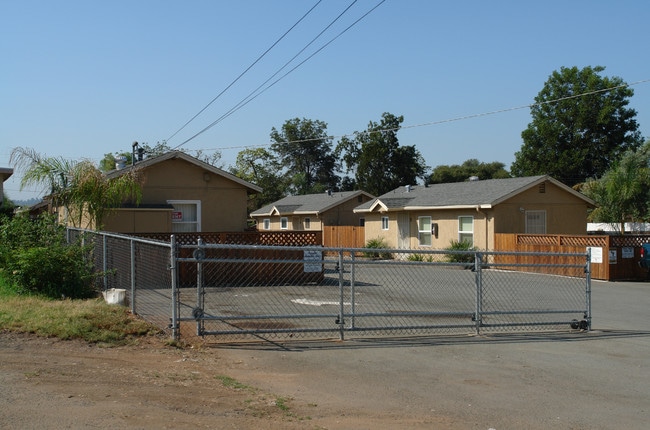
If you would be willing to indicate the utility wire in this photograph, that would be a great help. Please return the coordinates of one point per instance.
(250, 97)
(245, 71)
(444, 121)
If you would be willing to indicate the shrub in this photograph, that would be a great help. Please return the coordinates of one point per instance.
(378, 244)
(35, 258)
(463, 255)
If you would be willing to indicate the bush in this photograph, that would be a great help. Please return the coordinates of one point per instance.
(35, 258)
(377, 244)
(464, 255)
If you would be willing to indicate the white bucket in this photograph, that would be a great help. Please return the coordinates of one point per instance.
(115, 296)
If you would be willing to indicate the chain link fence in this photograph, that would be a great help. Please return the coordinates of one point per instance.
(228, 292)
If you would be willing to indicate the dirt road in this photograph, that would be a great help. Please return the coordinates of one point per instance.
(565, 380)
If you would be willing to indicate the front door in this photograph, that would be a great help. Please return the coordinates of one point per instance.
(403, 231)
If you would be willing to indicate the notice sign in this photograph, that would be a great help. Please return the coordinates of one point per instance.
(627, 252)
(596, 254)
(313, 261)
(177, 216)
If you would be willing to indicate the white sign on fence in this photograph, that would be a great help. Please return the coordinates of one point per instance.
(310, 256)
(596, 254)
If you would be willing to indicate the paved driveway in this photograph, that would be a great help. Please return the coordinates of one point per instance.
(564, 380)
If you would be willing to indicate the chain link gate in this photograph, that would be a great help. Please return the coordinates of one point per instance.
(235, 291)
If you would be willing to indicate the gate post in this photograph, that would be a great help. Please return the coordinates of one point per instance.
(132, 246)
(588, 289)
(174, 273)
(341, 320)
(199, 254)
(478, 317)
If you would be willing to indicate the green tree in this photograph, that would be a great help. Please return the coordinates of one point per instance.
(378, 162)
(107, 163)
(304, 152)
(259, 167)
(459, 173)
(580, 126)
(623, 192)
(78, 186)
(7, 207)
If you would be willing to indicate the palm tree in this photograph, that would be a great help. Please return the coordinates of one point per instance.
(78, 186)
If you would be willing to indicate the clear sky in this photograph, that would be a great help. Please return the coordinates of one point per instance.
(80, 79)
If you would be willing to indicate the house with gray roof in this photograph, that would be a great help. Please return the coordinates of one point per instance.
(432, 216)
(312, 211)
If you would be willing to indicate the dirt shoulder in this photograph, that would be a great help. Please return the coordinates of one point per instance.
(49, 383)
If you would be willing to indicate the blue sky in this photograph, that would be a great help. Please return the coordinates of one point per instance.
(80, 79)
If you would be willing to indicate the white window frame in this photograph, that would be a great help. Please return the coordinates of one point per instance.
(284, 223)
(533, 226)
(462, 234)
(424, 231)
(384, 223)
(198, 212)
(266, 224)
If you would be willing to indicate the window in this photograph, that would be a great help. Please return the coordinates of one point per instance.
(307, 223)
(466, 229)
(384, 223)
(536, 222)
(362, 222)
(284, 223)
(424, 230)
(186, 215)
(267, 224)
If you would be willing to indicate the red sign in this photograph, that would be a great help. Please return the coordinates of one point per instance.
(177, 216)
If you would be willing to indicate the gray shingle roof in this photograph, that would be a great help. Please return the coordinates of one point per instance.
(460, 194)
(308, 203)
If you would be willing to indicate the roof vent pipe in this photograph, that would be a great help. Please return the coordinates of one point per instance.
(408, 188)
(133, 147)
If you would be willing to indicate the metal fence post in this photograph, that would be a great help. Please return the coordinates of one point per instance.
(200, 288)
(104, 263)
(132, 245)
(478, 317)
(588, 289)
(341, 320)
(174, 272)
(352, 287)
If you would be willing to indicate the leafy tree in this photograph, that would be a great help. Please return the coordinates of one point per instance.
(304, 151)
(259, 167)
(107, 163)
(78, 186)
(7, 207)
(623, 193)
(378, 162)
(458, 173)
(581, 125)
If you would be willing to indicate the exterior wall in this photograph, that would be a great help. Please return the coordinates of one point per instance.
(295, 223)
(139, 221)
(223, 202)
(565, 213)
(447, 222)
(343, 214)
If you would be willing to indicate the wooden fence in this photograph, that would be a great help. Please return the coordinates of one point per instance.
(344, 236)
(614, 258)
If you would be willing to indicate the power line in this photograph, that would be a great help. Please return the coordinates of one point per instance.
(250, 96)
(245, 71)
(448, 120)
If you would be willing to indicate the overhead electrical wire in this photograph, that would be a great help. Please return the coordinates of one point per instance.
(448, 120)
(245, 71)
(250, 97)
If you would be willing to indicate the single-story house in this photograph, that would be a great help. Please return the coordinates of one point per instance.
(5, 173)
(433, 216)
(312, 211)
(181, 193)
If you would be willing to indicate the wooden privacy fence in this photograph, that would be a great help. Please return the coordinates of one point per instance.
(223, 273)
(614, 258)
(343, 236)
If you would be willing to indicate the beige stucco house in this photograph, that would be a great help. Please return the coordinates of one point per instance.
(181, 193)
(312, 211)
(432, 216)
(5, 173)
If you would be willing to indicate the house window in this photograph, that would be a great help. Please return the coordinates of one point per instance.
(267, 224)
(536, 222)
(466, 229)
(424, 230)
(307, 223)
(384, 223)
(186, 215)
(362, 222)
(284, 223)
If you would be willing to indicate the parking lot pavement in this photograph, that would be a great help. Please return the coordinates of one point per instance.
(567, 379)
